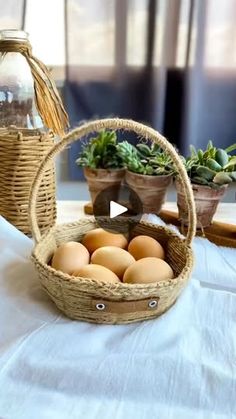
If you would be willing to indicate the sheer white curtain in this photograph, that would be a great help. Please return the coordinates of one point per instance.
(12, 14)
(210, 94)
(189, 46)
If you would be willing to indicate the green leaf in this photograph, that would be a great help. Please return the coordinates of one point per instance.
(221, 157)
(231, 163)
(209, 145)
(205, 173)
(200, 155)
(199, 180)
(213, 165)
(231, 148)
(144, 149)
(222, 178)
(193, 150)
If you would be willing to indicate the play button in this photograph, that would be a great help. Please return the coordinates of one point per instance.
(117, 209)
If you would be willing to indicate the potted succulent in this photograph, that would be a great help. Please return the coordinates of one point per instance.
(210, 172)
(103, 166)
(149, 173)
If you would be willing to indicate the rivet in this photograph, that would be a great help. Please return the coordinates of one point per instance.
(152, 304)
(100, 306)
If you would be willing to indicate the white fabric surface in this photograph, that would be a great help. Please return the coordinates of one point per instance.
(179, 366)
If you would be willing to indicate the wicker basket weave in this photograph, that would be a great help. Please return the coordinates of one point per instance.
(20, 155)
(99, 302)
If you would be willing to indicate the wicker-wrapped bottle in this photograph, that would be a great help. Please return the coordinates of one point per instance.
(31, 114)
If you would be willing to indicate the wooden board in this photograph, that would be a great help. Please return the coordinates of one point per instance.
(222, 234)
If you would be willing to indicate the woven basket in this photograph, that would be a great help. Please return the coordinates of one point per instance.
(21, 153)
(99, 302)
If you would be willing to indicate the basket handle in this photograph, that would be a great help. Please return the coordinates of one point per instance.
(116, 124)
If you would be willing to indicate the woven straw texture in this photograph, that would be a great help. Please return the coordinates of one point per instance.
(21, 153)
(78, 297)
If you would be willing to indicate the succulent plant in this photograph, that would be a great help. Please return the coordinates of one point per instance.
(101, 152)
(213, 167)
(145, 159)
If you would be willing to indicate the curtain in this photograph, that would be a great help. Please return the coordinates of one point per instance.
(118, 53)
(12, 14)
(167, 63)
(210, 94)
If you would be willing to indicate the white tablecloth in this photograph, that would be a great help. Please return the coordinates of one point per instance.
(179, 366)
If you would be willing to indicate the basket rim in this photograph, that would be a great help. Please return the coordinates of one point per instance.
(121, 285)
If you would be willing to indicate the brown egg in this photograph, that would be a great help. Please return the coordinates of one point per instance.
(98, 238)
(98, 273)
(113, 258)
(148, 270)
(144, 246)
(69, 257)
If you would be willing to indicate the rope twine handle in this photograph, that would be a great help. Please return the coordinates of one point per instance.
(115, 124)
(48, 101)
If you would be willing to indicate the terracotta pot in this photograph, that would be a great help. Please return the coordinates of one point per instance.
(150, 189)
(206, 201)
(99, 179)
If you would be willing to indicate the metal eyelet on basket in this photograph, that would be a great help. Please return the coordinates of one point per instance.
(100, 306)
(152, 304)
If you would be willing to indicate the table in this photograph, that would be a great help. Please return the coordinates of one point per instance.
(181, 365)
(73, 210)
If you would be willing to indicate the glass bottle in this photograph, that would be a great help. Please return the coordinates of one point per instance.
(24, 138)
(17, 96)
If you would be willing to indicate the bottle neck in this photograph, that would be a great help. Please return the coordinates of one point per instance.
(14, 35)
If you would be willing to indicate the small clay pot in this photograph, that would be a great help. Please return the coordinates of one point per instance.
(100, 179)
(206, 202)
(150, 189)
